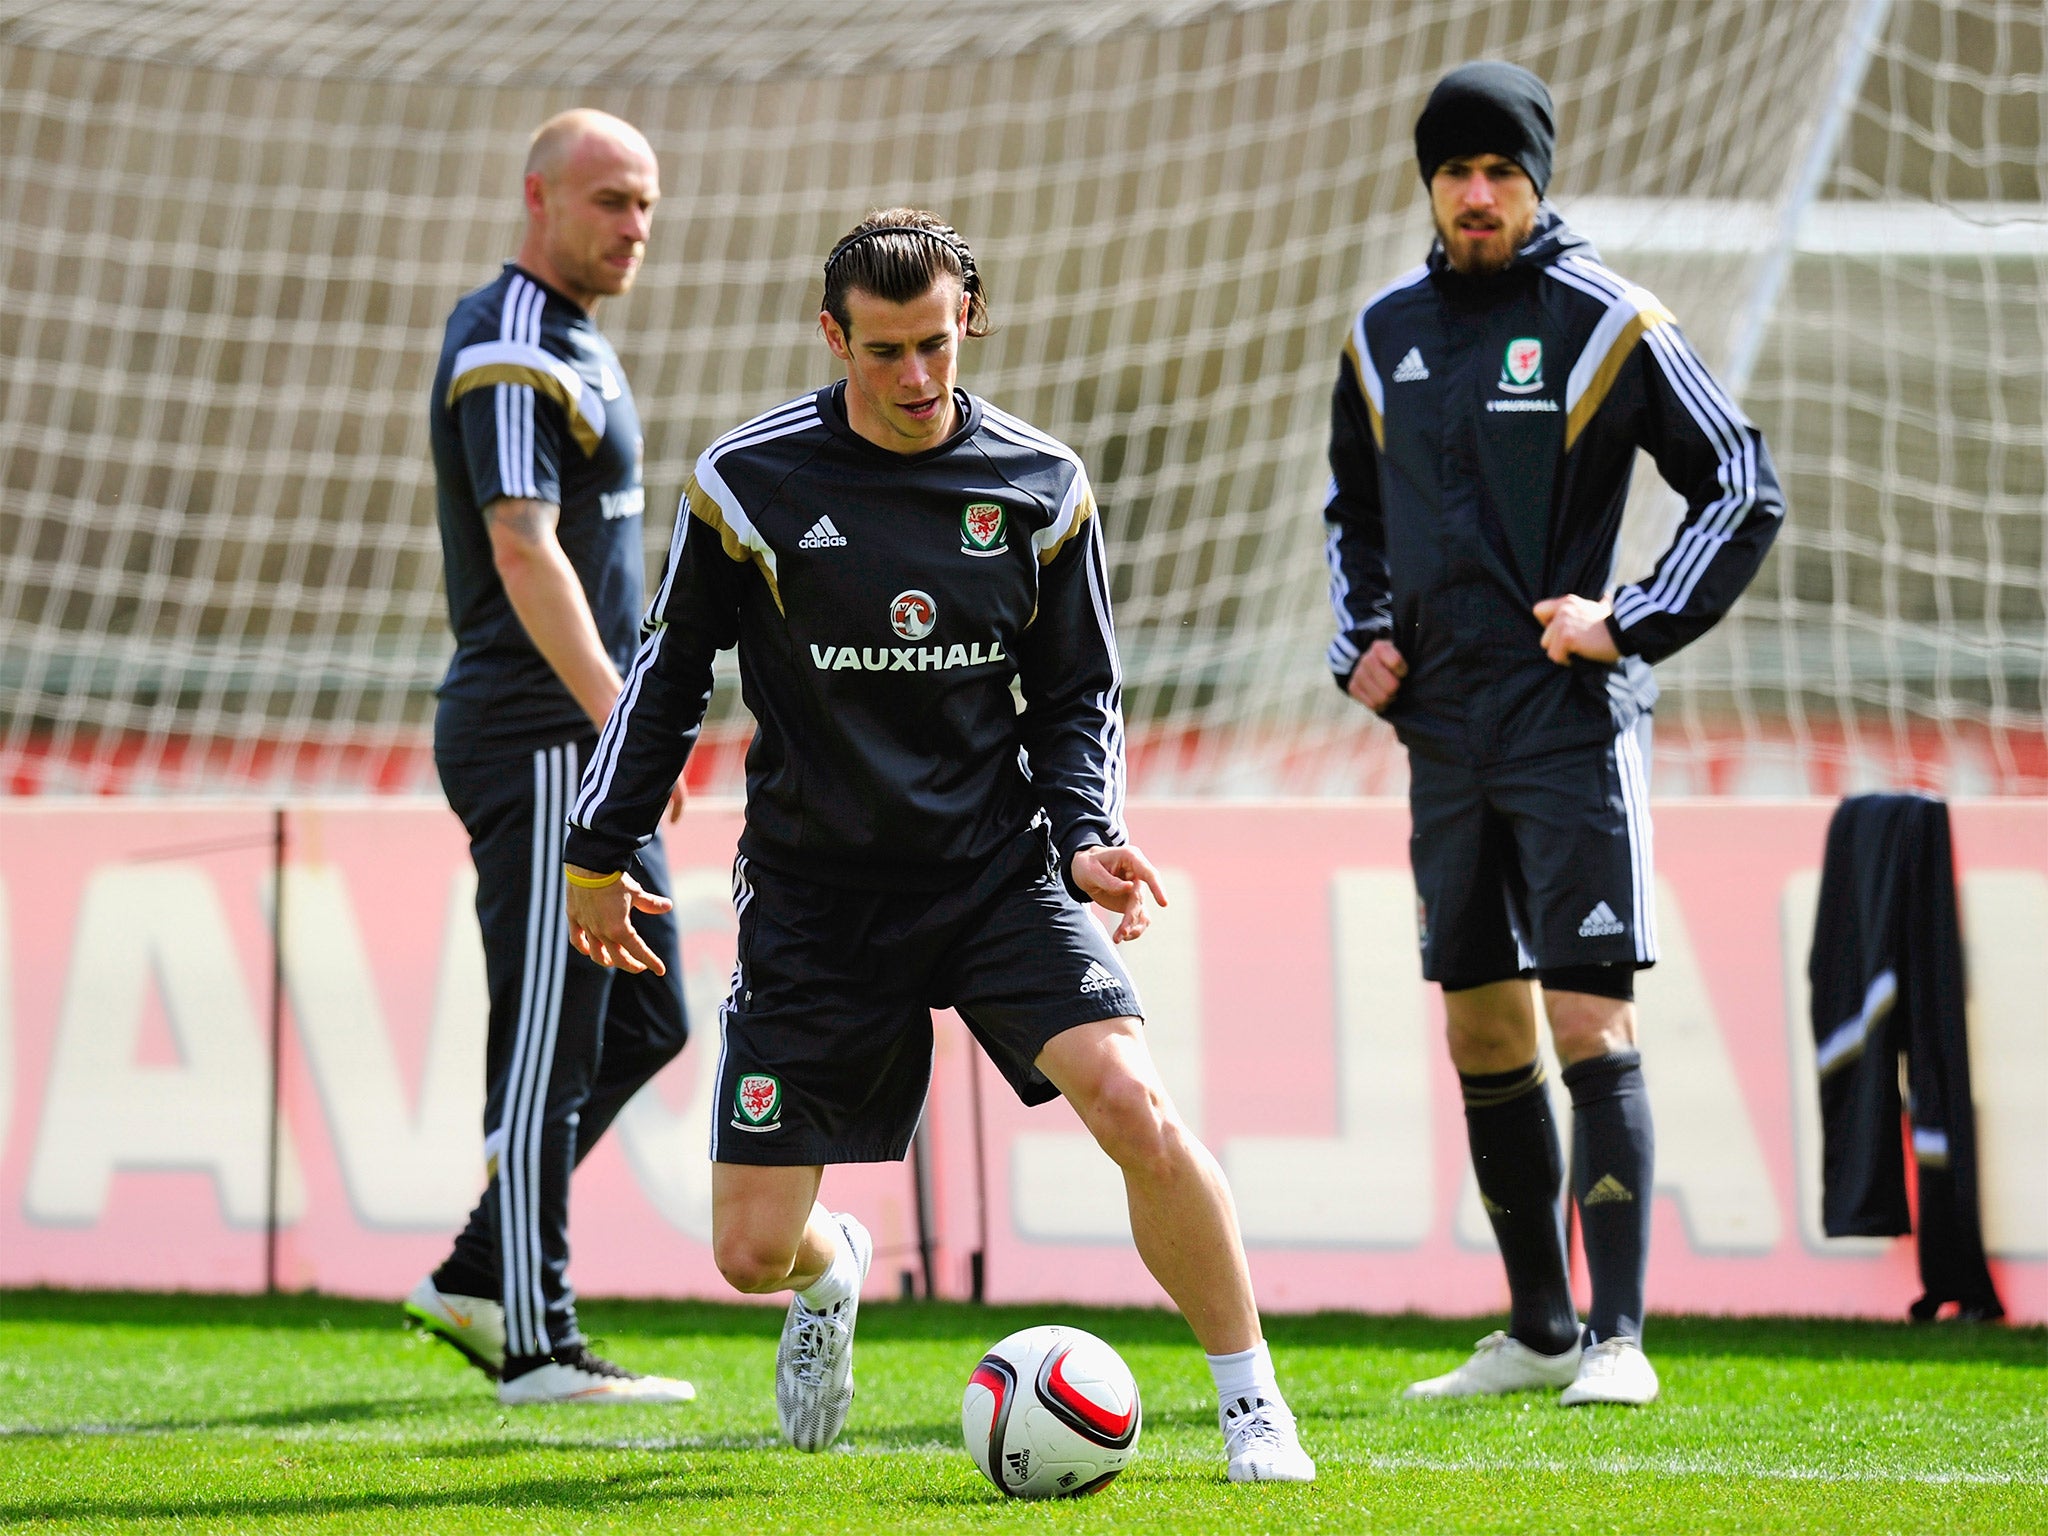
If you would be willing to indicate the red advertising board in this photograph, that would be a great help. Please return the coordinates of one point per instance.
(1286, 1008)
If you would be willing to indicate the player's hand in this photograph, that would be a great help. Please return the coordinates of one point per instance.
(1377, 677)
(1117, 878)
(678, 797)
(1576, 626)
(601, 922)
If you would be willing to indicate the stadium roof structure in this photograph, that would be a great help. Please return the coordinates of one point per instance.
(504, 42)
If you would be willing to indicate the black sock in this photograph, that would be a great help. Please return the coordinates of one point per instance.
(1521, 1171)
(455, 1278)
(1613, 1164)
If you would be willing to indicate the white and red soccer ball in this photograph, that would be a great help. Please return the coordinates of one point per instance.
(1051, 1413)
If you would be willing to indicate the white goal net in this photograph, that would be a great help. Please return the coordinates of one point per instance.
(230, 231)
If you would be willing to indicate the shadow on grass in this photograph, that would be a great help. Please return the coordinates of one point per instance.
(584, 1495)
(1693, 1337)
(936, 1322)
(354, 1411)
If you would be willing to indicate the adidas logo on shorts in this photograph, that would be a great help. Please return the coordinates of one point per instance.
(822, 536)
(1601, 923)
(1098, 978)
(1411, 369)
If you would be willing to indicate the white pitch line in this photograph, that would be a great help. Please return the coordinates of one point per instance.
(1381, 1462)
(1677, 1467)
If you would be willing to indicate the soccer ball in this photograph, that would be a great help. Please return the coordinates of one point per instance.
(1051, 1413)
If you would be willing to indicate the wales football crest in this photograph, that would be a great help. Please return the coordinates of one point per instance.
(984, 530)
(757, 1102)
(1521, 368)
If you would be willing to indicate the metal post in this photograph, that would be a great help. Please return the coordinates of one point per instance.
(277, 836)
(921, 1177)
(1865, 33)
(977, 1261)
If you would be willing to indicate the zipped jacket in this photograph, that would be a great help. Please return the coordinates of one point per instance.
(883, 605)
(1483, 431)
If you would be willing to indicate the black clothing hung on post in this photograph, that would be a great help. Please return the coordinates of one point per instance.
(1887, 974)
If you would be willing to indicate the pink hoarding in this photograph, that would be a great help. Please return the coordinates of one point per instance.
(1286, 1010)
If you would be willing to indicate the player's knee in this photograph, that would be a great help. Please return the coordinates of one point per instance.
(1483, 1044)
(1134, 1123)
(1490, 1028)
(1591, 1010)
(753, 1264)
(1583, 1035)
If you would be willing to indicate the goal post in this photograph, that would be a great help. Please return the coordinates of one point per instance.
(230, 232)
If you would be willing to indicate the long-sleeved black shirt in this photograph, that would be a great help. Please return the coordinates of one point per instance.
(882, 604)
(1482, 437)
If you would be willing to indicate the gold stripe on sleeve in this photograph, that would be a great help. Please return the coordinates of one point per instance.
(587, 436)
(1609, 370)
(1379, 427)
(705, 508)
(1083, 510)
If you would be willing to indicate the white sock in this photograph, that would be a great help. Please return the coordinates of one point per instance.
(841, 1278)
(1247, 1374)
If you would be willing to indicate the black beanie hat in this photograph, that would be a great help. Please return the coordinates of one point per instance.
(1488, 108)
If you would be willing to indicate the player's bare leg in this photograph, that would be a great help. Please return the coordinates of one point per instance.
(1583, 1026)
(767, 1231)
(1181, 1211)
(1185, 1225)
(1491, 1028)
(769, 1234)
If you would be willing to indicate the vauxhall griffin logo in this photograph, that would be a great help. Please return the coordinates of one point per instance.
(912, 614)
(1521, 368)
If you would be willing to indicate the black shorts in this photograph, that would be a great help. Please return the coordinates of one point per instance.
(1533, 865)
(827, 1036)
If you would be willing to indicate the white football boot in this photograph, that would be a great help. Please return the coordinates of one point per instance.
(575, 1375)
(814, 1363)
(1502, 1364)
(475, 1325)
(1259, 1439)
(1613, 1371)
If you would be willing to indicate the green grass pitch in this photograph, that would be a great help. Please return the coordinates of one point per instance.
(129, 1412)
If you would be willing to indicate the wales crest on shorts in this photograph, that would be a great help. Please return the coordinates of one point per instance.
(984, 530)
(757, 1103)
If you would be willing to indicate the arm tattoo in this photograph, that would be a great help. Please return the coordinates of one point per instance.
(528, 521)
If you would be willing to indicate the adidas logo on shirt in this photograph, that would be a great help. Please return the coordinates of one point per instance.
(822, 536)
(1601, 923)
(1098, 978)
(1411, 369)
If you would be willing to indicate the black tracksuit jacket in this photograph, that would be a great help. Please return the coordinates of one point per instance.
(1483, 432)
(883, 605)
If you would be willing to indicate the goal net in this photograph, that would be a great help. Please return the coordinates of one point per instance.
(231, 230)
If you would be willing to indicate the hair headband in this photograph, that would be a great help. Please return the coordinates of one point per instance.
(946, 237)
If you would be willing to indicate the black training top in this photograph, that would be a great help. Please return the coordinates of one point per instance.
(530, 402)
(882, 604)
(1483, 433)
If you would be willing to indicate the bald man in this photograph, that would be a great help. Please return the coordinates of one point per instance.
(537, 458)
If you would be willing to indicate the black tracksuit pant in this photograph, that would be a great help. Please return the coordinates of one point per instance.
(570, 1041)
(1887, 975)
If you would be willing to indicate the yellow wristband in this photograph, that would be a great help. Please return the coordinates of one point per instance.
(589, 884)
